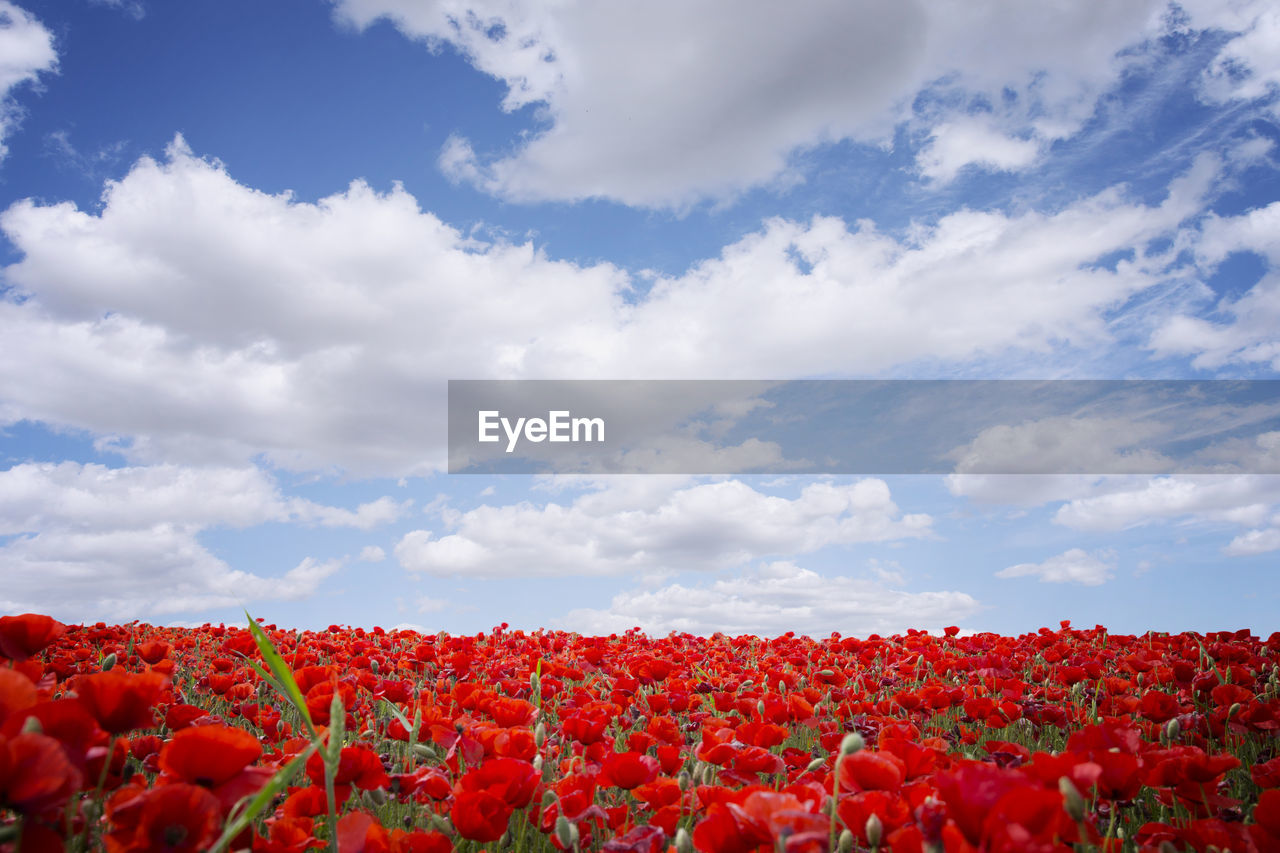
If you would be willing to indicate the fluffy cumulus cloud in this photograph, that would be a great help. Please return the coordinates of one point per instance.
(692, 527)
(26, 50)
(1250, 333)
(194, 319)
(975, 142)
(737, 95)
(1245, 507)
(87, 541)
(772, 599)
(1074, 566)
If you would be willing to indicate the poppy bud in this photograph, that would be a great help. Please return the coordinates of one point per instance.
(746, 685)
(108, 662)
(537, 763)
(874, 830)
(535, 683)
(441, 824)
(1173, 729)
(377, 797)
(760, 707)
(337, 725)
(1231, 712)
(425, 751)
(564, 831)
(540, 735)
(373, 667)
(684, 842)
(851, 743)
(32, 726)
(782, 686)
(1072, 802)
(684, 780)
(845, 844)
(827, 673)
(815, 764)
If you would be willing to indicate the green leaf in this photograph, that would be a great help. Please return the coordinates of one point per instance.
(284, 676)
(260, 800)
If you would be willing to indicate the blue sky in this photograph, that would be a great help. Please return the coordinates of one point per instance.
(244, 246)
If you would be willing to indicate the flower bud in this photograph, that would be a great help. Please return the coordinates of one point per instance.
(685, 780)
(815, 764)
(1072, 802)
(1173, 729)
(108, 662)
(851, 743)
(32, 726)
(760, 707)
(845, 844)
(540, 734)
(562, 831)
(684, 842)
(874, 830)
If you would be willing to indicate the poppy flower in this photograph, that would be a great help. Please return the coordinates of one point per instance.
(24, 636)
(35, 774)
(17, 693)
(121, 701)
(628, 770)
(871, 770)
(510, 779)
(168, 819)
(479, 815)
(358, 766)
(727, 828)
(209, 755)
(360, 832)
(640, 839)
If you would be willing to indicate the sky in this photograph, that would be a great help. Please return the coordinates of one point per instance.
(244, 247)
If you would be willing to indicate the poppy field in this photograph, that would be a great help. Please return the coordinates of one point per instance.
(142, 738)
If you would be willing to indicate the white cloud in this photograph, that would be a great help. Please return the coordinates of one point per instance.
(772, 599)
(735, 90)
(1248, 66)
(26, 50)
(693, 528)
(1071, 445)
(1254, 542)
(371, 554)
(172, 319)
(1250, 337)
(1074, 566)
(91, 542)
(1243, 499)
(961, 143)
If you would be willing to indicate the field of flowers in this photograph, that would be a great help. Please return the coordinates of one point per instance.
(140, 738)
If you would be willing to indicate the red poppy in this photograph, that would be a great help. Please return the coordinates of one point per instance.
(360, 832)
(871, 770)
(168, 819)
(479, 815)
(209, 755)
(511, 780)
(420, 842)
(628, 770)
(121, 701)
(358, 766)
(153, 651)
(640, 839)
(24, 636)
(17, 693)
(35, 774)
(509, 712)
(728, 829)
